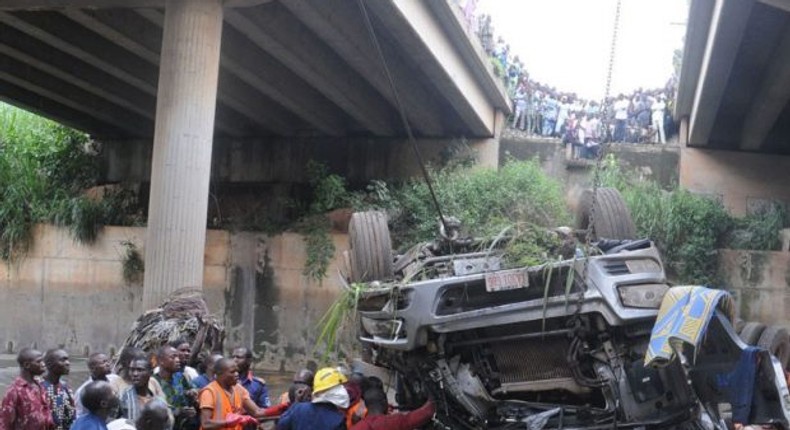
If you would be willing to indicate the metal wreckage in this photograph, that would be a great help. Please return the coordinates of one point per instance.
(583, 342)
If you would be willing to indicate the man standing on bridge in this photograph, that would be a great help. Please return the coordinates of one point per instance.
(25, 405)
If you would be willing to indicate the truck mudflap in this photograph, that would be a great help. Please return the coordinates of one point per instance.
(731, 379)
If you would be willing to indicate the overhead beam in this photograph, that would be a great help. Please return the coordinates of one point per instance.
(779, 4)
(38, 55)
(305, 55)
(770, 100)
(696, 39)
(339, 25)
(12, 5)
(65, 115)
(35, 81)
(471, 50)
(249, 65)
(724, 40)
(413, 25)
(272, 120)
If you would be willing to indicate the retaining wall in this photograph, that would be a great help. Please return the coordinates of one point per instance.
(72, 295)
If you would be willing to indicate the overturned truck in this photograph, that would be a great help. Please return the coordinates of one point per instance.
(561, 345)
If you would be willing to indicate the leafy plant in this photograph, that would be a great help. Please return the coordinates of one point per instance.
(690, 228)
(485, 200)
(319, 246)
(44, 170)
(133, 264)
(337, 321)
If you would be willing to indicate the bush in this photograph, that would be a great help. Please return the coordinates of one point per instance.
(485, 200)
(44, 169)
(690, 228)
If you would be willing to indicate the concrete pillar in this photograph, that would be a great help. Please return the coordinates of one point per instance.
(186, 102)
(488, 149)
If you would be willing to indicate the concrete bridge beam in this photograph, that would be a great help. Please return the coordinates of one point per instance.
(273, 33)
(181, 165)
(727, 28)
(412, 23)
(771, 98)
(338, 23)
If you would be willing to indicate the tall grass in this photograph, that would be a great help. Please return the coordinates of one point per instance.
(44, 169)
(689, 228)
(485, 200)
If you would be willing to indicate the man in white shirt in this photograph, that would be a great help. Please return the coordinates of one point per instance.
(620, 118)
(99, 368)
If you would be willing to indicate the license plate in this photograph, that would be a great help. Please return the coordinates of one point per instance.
(506, 280)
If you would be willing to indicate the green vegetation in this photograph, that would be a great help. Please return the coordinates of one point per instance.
(133, 264)
(44, 170)
(689, 228)
(338, 325)
(518, 196)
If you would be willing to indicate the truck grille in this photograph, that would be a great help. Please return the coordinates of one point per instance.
(531, 361)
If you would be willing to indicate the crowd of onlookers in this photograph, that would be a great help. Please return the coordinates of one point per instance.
(642, 116)
(158, 390)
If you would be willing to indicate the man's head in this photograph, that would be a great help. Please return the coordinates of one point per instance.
(99, 398)
(155, 415)
(125, 357)
(243, 358)
(57, 362)
(139, 372)
(226, 372)
(31, 361)
(209, 363)
(184, 350)
(304, 376)
(375, 401)
(99, 366)
(169, 359)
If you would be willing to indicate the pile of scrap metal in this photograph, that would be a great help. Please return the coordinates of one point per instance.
(183, 315)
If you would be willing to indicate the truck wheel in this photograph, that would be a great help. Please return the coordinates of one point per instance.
(612, 219)
(776, 340)
(371, 247)
(751, 332)
(738, 325)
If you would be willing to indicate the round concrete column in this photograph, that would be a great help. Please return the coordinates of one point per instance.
(186, 101)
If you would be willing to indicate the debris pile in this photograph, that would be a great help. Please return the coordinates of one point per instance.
(183, 315)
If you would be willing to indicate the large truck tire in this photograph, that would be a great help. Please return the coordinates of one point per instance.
(611, 219)
(776, 339)
(370, 255)
(751, 332)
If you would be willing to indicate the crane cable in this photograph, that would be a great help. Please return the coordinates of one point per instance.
(604, 115)
(402, 112)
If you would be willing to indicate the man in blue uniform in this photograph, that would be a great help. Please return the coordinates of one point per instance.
(255, 386)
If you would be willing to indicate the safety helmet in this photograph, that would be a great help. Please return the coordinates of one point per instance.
(327, 378)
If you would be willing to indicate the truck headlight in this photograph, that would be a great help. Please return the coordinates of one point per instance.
(387, 329)
(647, 296)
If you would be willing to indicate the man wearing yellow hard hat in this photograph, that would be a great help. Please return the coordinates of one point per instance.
(324, 412)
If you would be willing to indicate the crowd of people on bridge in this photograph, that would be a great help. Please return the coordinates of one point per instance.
(160, 391)
(643, 116)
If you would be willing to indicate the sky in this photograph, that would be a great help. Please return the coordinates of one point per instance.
(566, 43)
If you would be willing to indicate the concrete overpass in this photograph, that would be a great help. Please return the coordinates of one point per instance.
(184, 73)
(734, 89)
(734, 102)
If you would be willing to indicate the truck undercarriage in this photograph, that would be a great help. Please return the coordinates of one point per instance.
(560, 345)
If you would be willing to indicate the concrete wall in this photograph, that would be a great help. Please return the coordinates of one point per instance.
(760, 283)
(255, 161)
(64, 293)
(743, 181)
(656, 162)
